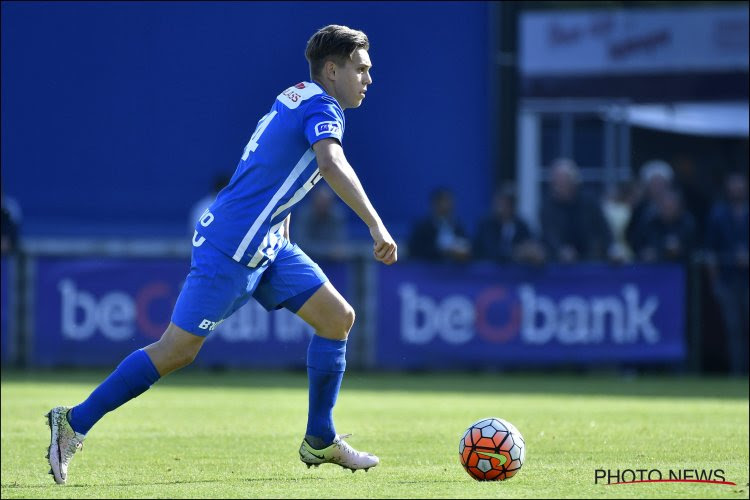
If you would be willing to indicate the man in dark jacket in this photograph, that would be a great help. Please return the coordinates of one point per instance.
(573, 226)
(727, 245)
(669, 235)
(503, 236)
(439, 236)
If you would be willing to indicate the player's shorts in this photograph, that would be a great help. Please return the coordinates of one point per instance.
(217, 286)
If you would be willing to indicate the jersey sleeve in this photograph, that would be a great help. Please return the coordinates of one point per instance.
(323, 119)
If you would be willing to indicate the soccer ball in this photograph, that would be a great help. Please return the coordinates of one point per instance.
(492, 449)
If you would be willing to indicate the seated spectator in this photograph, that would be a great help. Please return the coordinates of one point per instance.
(439, 237)
(656, 177)
(9, 226)
(669, 235)
(200, 206)
(573, 227)
(503, 236)
(319, 225)
(727, 247)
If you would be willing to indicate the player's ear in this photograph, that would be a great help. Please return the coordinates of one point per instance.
(330, 70)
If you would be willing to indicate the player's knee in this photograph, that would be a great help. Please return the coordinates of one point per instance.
(347, 319)
(340, 324)
(185, 357)
(176, 350)
(180, 358)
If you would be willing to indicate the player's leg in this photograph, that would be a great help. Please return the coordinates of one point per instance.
(175, 349)
(210, 289)
(135, 374)
(132, 377)
(294, 281)
(332, 318)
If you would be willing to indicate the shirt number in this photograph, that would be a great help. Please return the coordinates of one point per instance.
(253, 144)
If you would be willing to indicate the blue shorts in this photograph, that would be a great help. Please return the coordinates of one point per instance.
(217, 286)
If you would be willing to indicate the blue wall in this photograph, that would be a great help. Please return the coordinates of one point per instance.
(116, 116)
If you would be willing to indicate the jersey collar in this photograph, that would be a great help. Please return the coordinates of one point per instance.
(324, 91)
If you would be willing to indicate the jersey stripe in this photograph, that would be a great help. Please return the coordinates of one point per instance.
(301, 192)
(268, 242)
(293, 175)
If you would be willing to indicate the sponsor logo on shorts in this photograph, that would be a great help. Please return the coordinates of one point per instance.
(209, 325)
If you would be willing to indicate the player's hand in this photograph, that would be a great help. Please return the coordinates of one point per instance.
(384, 248)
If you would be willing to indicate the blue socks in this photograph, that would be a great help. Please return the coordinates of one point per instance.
(132, 378)
(326, 362)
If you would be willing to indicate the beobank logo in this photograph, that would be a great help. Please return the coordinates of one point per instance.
(116, 314)
(625, 317)
(119, 315)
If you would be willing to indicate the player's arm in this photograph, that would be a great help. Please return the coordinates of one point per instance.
(337, 172)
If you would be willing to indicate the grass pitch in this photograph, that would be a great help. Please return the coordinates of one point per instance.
(229, 435)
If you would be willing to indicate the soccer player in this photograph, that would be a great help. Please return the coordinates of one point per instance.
(241, 249)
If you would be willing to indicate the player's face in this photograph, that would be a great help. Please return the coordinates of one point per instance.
(353, 79)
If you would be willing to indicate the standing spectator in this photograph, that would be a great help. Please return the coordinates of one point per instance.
(439, 236)
(670, 234)
(696, 190)
(727, 245)
(320, 226)
(503, 236)
(655, 178)
(573, 227)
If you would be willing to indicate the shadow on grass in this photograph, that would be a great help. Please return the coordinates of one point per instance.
(15, 486)
(498, 383)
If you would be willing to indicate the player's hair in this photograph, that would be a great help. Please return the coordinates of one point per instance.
(333, 42)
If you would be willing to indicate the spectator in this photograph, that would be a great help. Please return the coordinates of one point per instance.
(9, 226)
(669, 235)
(655, 178)
(220, 181)
(573, 226)
(696, 190)
(319, 226)
(727, 247)
(439, 237)
(503, 236)
(617, 208)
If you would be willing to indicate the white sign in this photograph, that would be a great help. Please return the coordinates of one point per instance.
(562, 43)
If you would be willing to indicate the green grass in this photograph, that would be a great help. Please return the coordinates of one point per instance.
(236, 434)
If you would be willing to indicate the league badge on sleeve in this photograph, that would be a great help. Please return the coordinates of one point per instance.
(330, 127)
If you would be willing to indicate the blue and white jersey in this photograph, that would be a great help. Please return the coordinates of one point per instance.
(277, 169)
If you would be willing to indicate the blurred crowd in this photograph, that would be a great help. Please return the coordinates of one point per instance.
(653, 219)
(658, 218)
(664, 215)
